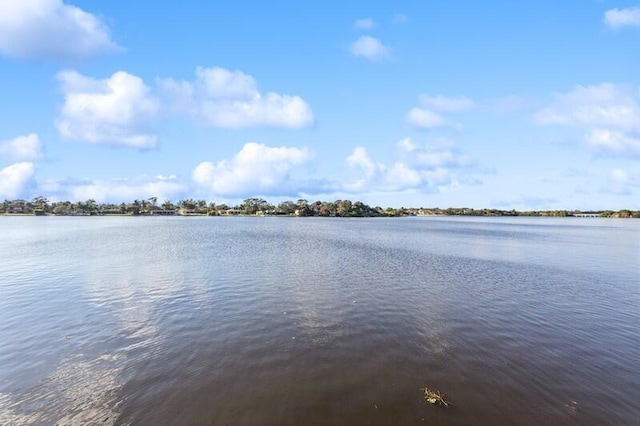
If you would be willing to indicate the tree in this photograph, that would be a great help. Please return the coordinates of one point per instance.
(189, 204)
(253, 205)
(90, 206)
(287, 207)
(343, 208)
(303, 208)
(327, 209)
(168, 205)
(41, 203)
(134, 208)
(154, 202)
(624, 213)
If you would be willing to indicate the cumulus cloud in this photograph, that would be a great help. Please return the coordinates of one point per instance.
(418, 168)
(370, 48)
(426, 119)
(364, 24)
(230, 99)
(115, 111)
(115, 190)
(429, 114)
(51, 29)
(256, 169)
(431, 157)
(608, 114)
(14, 179)
(619, 18)
(22, 148)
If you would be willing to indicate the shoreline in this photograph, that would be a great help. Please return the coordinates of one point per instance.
(541, 215)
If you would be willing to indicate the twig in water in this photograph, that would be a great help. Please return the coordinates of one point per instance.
(434, 397)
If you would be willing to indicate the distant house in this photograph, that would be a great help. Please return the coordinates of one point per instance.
(191, 212)
(230, 212)
(162, 213)
(17, 207)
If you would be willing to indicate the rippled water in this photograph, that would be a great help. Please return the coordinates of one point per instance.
(277, 321)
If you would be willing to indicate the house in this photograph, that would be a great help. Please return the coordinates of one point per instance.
(162, 213)
(17, 207)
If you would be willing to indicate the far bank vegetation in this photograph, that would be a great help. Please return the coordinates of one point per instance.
(40, 206)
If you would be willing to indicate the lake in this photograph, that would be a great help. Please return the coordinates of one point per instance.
(317, 321)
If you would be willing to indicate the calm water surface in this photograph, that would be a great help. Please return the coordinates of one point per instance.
(285, 321)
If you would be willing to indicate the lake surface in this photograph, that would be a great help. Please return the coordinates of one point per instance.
(292, 321)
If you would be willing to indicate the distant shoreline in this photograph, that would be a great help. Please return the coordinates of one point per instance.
(539, 214)
(40, 206)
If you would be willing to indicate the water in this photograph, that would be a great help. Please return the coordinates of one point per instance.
(288, 321)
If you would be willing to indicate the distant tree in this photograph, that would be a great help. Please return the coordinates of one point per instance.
(134, 208)
(41, 203)
(188, 204)
(327, 209)
(62, 209)
(168, 205)
(624, 213)
(253, 205)
(287, 207)
(343, 208)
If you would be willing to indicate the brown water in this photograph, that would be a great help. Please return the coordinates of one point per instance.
(278, 321)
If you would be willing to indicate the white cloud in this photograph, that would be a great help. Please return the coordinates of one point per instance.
(425, 119)
(418, 168)
(361, 160)
(230, 99)
(370, 48)
(51, 29)
(614, 142)
(609, 115)
(22, 148)
(430, 157)
(117, 110)
(115, 190)
(14, 179)
(442, 103)
(255, 170)
(364, 24)
(429, 114)
(618, 18)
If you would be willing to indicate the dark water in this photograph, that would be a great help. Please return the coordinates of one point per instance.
(278, 321)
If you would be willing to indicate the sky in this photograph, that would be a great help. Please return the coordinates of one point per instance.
(485, 104)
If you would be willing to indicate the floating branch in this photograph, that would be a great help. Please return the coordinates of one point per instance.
(434, 397)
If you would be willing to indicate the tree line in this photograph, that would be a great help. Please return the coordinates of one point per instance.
(259, 206)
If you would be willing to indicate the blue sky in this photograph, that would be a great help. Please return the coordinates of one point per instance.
(525, 105)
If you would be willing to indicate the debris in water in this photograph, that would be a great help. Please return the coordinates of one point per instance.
(573, 406)
(434, 397)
